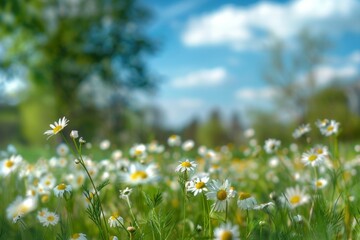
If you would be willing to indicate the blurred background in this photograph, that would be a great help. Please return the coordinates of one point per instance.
(134, 71)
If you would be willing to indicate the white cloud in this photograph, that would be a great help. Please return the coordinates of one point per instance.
(201, 78)
(249, 28)
(355, 57)
(255, 94)
(327, 74)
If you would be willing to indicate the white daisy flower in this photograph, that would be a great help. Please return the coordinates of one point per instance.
(21, 207)
(115, 220)
(220, 193)
(138, 151)
(301, 130)
(140, 174)
(56, 127)
(312, 158)
(41, 215)
(296, 197)
(50, 218)
(62, 189)
(9, 165)
(322, 123)
(188, 145)
(331, 128)
(174, 141)
(271, 145)
(186, 166)
(47, 182)
(78, 236)
(246, 201)
(227, 231)
(62, 149)
(198, 185)
(322, 150)
(320, 183)
(104, 144)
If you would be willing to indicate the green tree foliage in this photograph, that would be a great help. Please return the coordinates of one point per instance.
(333, 103)
(60, 45)
(212, 133)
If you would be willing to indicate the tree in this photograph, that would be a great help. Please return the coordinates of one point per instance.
(291, 71)
(61, 45)
(212, 133)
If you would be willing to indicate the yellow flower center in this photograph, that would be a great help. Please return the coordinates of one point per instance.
(319, 184)
(138, 175)
(226, 235)
(186, 164)
(51, 218)
(312, 157)
(57, 129)
(199, 185)
(42, 213)
(75, 235)
(221, 195)
(295, 199)
(138, 152)
(61, 186)
(244, 195)
(319, 151)
(9, 163)
(330, 128)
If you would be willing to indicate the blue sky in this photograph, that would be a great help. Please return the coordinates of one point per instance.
(213, 53)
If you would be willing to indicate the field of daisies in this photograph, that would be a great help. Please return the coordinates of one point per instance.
(182, 190)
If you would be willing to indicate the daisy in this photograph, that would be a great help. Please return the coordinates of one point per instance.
(50, 218)
(296, 197)
(322, 123)
(226, 231)
(322, 150)
(246, 201)
(188, 145)
(21, 207)
(104, 144)
(47, 182)
(62, 149)
(320, 183)
(124, 194)
(138, 150)
(174, 141)
(62, 189)
(271, 145)
(312, 158)
(115, 220)
(56, 127)
(301, 130)
(78, 236)
(220, 193)
(8, 166)
(140, 174)
(186, 166)
(330, 129)
(41, 215)
(198, 185)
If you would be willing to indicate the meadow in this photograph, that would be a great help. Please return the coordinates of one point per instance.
(181, 190)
